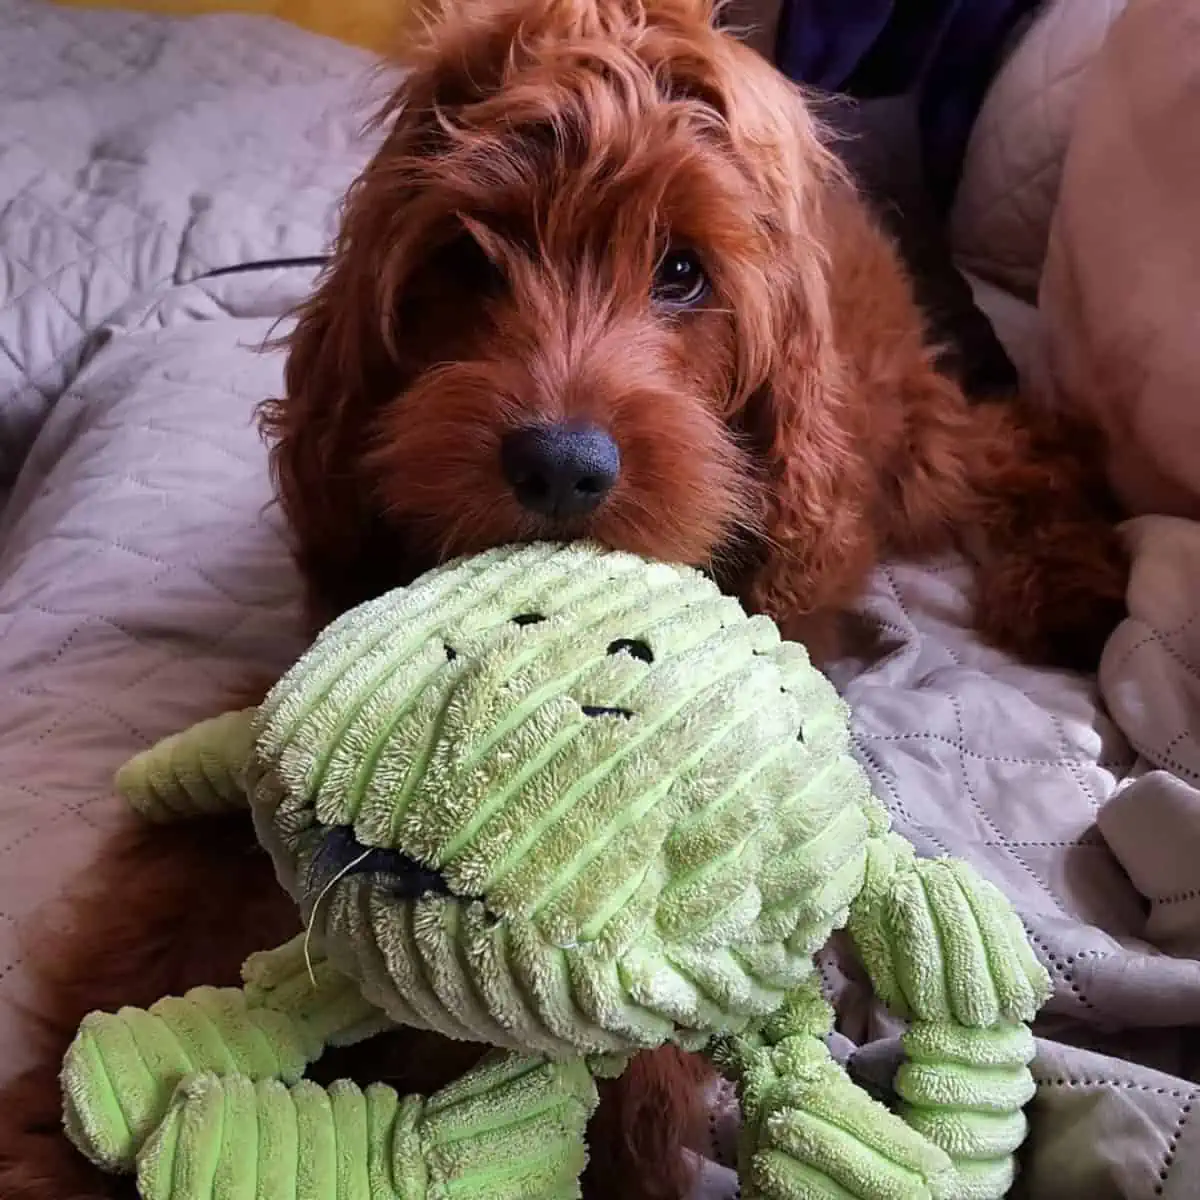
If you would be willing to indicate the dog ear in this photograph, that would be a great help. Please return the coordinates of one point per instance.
(794, 410)
(817, 531)
(346, 358)
(338, 372)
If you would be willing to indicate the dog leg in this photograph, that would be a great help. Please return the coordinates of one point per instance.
(1022, 492)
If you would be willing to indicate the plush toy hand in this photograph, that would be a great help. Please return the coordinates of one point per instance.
(122, 1068)
(809, 1132)
(194, 773)
(944, 948)
(943, 944)
(511, 1129)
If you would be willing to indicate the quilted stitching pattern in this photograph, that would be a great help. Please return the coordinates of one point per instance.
(1092, 1102)
(1084, 1117)
(1012, 767)
(135, 151)
(1150, 677)
(1002, 211)
(146, 498)
(1009, 766)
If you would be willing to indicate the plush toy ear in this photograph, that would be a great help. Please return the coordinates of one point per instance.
(198, 772)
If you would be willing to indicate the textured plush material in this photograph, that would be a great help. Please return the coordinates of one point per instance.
(203, 1095)
(570, 804)
(193, 773)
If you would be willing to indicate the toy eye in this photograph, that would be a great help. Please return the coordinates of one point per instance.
(638, 649)
(528, 619)
(596, 710)
(451, 653)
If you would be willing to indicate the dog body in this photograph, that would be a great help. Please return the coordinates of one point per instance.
(602, 279)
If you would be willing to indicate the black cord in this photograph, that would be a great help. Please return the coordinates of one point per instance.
(267, 264)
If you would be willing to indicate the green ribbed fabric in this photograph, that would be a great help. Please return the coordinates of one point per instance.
(568, 804)
(194, 773)
(122, 1068)
(512, 1128)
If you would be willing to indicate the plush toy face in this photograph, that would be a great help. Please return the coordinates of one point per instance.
(562, 799)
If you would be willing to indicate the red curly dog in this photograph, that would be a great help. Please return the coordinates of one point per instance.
(602, 279)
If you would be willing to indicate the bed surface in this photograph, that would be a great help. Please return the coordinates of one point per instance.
(139, 573)
(142, 571)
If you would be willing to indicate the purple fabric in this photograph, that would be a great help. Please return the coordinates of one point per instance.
(822, 41)
(943, 53)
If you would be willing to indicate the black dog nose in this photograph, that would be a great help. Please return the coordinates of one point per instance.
(560, 470)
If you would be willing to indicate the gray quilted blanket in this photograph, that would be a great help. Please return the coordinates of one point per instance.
(141, 570)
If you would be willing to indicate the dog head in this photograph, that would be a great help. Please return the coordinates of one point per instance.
(579, 291)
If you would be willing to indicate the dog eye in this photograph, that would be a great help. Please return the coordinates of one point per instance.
(679, 280)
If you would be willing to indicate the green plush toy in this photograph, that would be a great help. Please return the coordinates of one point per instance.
(568, 804)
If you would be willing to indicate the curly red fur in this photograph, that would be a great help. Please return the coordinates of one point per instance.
(492, 270)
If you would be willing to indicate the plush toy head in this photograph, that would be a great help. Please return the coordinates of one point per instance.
(561, 799)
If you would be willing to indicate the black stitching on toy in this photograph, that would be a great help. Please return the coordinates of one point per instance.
(451, 653)
(528, 619)
(633, 646)
(598, 710)
(341, 854)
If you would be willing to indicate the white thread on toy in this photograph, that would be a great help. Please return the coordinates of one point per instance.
(312, 916)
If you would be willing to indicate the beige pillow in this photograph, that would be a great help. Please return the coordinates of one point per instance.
(1010, 180)
(1121, 289)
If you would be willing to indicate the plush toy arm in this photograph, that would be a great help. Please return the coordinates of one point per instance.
(122, 1068)
(944, 949)
(808, 1131)
(511, 1129)
(194, 773)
